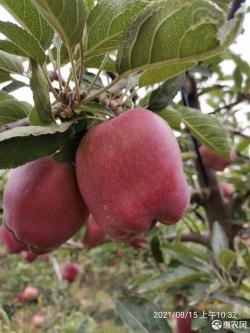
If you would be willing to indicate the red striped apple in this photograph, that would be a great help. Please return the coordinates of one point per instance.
(130, 173)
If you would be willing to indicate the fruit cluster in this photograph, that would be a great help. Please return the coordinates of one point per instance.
(128, 174)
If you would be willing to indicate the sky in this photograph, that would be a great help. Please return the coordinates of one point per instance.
(241, 47)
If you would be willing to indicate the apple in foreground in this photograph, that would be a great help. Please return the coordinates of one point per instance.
(130, 173)
(42, 204)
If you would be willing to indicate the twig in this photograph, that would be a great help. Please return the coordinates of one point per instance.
(98, 74)
(58, 65)
(72, 61)
(51, 88)
(81, 63)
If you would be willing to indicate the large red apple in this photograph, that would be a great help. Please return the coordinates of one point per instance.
(10, 242)
(70, 272)
(129, 172)
(94, 235)
(42, 204)
(214, 161)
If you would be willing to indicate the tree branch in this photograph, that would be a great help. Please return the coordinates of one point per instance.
(202, 239)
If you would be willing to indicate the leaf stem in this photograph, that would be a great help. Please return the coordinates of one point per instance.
(58, 65)
(98, 73)
(81, 63)
(77, 89)
(100, 92)
(52, 89)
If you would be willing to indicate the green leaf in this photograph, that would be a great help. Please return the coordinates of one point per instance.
(89, 5)
(226, 258)
(12, 110)
(28, 16)
(17, 151)
(172, 117)
(243, 144)
(153, 39)
(156, 250)
(163, 96)
(24, 144)
(155, 75)
(4, 76)
(207, 129)
(223, 4)
(238, 78)
(173, 278)
(138, 315)
(14, 85)
(95, 62)
(24, 40)
(10, 63)
(5, 96)
(40, 89)
(219, 239)
(188, 251)
(94, 108)
(9, 47)
(66, 17)
(107, 22)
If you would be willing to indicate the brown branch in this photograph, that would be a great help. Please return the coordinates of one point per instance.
(18, 123)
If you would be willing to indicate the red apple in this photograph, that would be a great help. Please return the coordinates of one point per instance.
(30, 293)
(9, 241)
(226, 189)
(70, 272)
(29, 256)
(94, 235)
(38, 320)
(114, 261)
(214, 161)
(130, 173)
(184, 325)
(42, 205)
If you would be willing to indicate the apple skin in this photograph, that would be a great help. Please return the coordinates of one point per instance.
(184, 325)
(9, 241)
(129, 172)
(227, 189)
(29, 256)
(70, 272)
(214, 161)
(42, 204)
(94, 235)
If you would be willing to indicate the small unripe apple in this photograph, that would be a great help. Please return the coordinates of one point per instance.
(226, 189)
(30, 293)
(94, 234)
(42, 204)
(214, 161)
(70, 272)
(184, 325)
(38, 320)
(29, 256)
(130, 173)
(10, 242)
